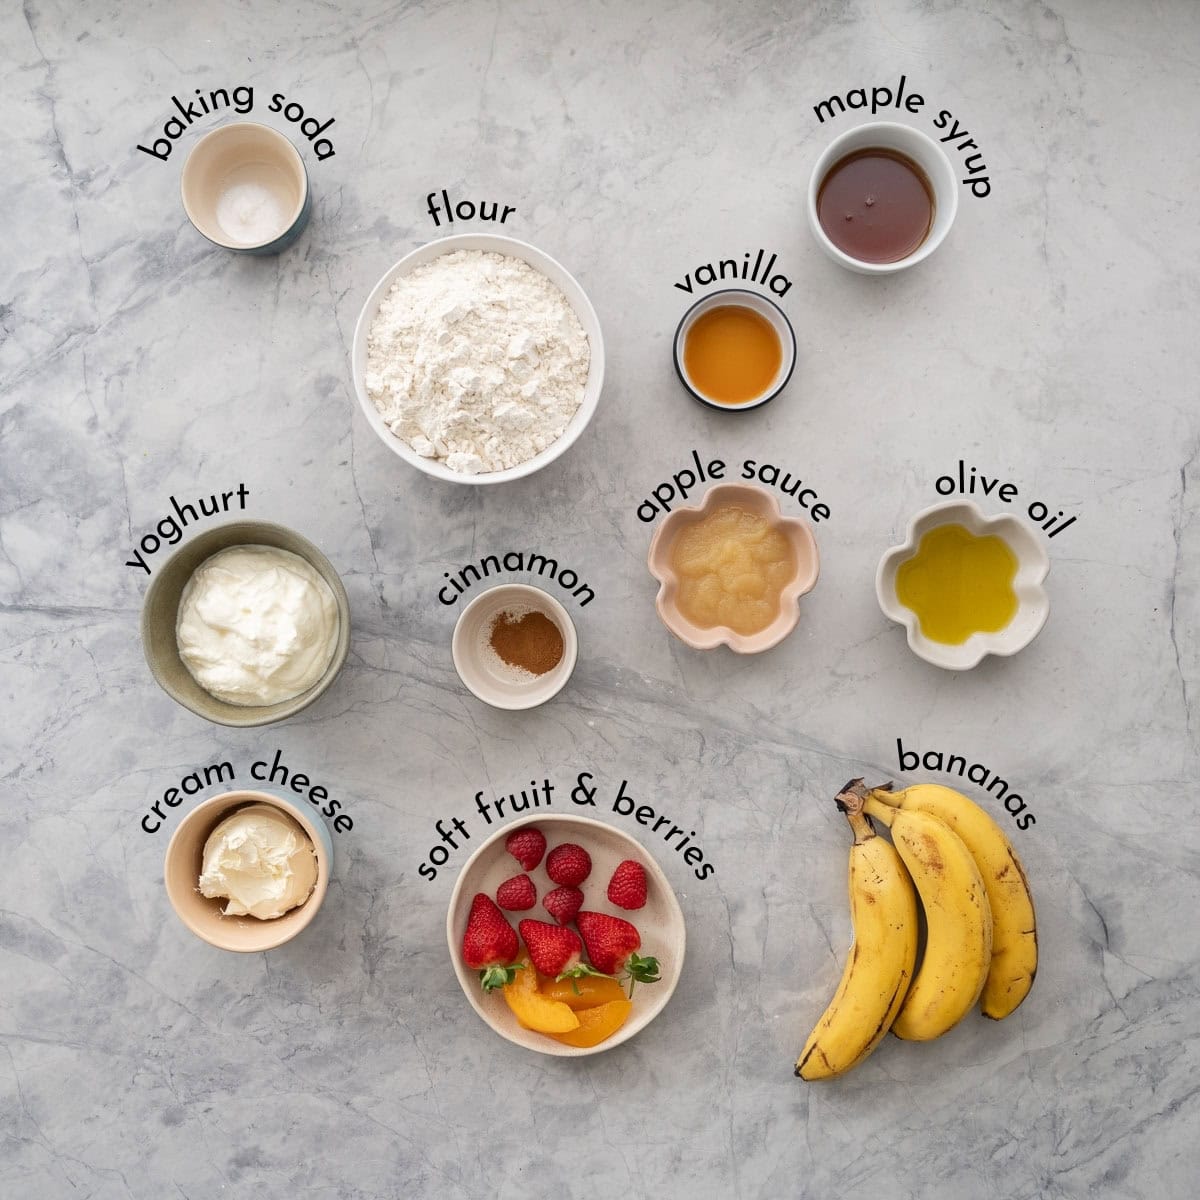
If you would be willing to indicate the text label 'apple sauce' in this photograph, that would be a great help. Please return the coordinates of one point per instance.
(678, 487)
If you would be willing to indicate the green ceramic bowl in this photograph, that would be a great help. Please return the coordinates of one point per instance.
(161, 608)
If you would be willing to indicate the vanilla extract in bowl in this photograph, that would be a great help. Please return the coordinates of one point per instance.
(876, 205)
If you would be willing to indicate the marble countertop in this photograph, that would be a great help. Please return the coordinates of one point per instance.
(1051, 342)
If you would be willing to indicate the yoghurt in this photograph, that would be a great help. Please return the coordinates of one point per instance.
(261, 861)
(256, 625)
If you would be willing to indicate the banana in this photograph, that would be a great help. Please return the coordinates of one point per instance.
(879, 968)
(1014, 924)
(958, 942)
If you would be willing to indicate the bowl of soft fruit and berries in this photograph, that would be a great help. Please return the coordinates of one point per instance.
(565, 935)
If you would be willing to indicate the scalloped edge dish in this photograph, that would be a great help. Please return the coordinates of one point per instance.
(1033, 604)
(762, 503)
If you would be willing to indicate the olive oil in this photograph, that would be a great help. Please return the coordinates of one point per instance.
(959, 584)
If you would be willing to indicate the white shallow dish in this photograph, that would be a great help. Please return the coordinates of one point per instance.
(1033, 604)
(558, 275)
(660, 922)
(482, 680)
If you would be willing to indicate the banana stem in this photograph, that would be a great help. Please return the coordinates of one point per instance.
(850, 800)
(879, 810)
(886, 793)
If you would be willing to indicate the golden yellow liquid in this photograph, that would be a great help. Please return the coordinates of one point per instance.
(959, 584)
(732, 354)
(733, 566)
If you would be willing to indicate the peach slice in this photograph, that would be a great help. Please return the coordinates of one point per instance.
(596, 1024)
(533, 1010)
(594, 990)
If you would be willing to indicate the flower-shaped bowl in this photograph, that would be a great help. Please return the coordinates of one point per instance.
(762, 503)
(1033, 604)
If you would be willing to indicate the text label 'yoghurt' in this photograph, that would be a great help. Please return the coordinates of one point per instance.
(169, 530)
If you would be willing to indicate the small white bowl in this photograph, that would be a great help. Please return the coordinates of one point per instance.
(913, 144)
(771, 312)
(1033, 605)
(482, 679)
(245, 154)
(558, 275)
(659, 922)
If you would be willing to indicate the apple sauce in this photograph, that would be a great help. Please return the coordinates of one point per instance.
(732, 566)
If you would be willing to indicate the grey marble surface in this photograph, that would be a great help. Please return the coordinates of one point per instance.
(1051, 341)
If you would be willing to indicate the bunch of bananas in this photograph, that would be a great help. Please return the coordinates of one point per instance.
(981, 933)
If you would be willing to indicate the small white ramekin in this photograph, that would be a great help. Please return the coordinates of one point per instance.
(913, 144)
(480, 678)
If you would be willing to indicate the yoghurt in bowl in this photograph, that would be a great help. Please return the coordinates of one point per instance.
(240, 652)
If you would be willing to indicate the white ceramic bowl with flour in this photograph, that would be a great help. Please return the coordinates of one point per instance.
(552, 271)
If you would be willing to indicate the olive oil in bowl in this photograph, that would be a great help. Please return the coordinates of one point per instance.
(959, 584)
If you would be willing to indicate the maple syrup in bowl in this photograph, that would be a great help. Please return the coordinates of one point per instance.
(882, 197)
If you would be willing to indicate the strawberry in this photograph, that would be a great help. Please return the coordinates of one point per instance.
(526, 845)
(517, 894)
(563, 903)
(555, 951)
(490, 944)
(611, 943)
(627, 887)
(569, 864)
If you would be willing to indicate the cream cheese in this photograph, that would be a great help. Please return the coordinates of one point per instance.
(256, 625)
(261, 861)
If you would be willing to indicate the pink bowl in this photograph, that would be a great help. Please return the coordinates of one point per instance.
(762, 503)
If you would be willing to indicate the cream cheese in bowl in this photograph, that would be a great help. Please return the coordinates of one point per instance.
(260, 862)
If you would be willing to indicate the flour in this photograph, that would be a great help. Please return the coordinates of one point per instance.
(477, 360)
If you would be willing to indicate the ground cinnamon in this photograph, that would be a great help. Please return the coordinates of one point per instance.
(530, 641)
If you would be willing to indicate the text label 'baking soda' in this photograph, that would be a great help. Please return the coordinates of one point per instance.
(169, 531)
(885, 100)
(239, 100)
(676, 489)
(454, 834)
(972, 482)
(263, 772)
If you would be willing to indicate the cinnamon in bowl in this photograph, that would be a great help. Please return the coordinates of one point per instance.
(514, 646)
